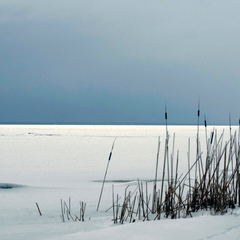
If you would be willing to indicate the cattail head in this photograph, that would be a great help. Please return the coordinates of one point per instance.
(165, 112)
(198, 113)
(212, 134)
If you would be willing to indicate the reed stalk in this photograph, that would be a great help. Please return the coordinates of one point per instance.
(154, 199)
(39, 211)
(105, 175)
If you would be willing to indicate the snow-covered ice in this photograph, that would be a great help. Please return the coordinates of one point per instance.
(44, 164)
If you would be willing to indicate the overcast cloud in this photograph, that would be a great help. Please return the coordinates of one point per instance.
(114, 61)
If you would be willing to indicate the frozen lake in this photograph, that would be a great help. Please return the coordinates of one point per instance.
(48, 163)
(53, 155)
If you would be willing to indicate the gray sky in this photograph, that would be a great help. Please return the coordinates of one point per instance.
(111, 61)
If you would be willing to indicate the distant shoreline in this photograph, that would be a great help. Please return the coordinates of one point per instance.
(112, 124)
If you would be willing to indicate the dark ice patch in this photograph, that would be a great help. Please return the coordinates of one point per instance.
(9, 185)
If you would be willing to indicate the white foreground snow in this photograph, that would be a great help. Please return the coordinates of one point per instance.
(45, 164)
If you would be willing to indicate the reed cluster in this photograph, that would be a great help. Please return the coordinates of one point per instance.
(210, 183)
(66, 213)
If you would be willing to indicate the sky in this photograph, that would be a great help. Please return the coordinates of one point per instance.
(119, 62)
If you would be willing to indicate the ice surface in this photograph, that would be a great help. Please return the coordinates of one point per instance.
(44, 164)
